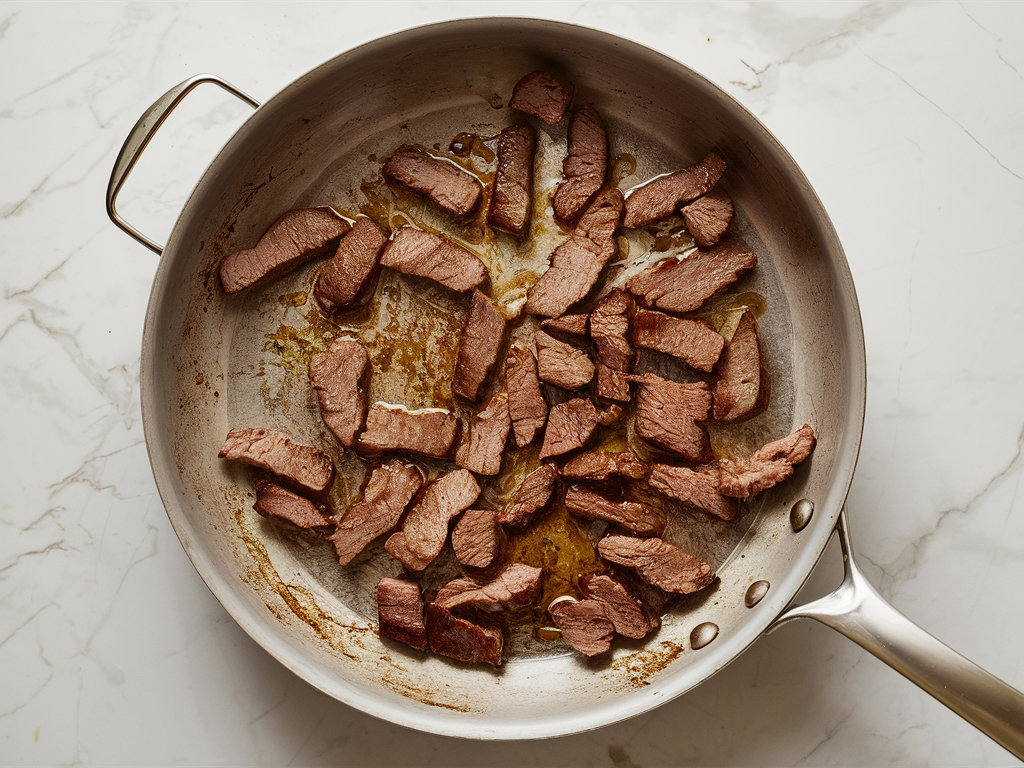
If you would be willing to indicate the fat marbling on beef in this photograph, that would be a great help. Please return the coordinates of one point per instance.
(400, 612)
(512, 192)
(743, 387)
(476, 538)
(339, 377)
(570, 425)
(602, 465)
(672, 415)
(658, 562)
(708, 217)
(452, 188)
(769, 465)
(630, 616)
(514, 587)
(658, 198)
(532, 496)
(481, 446)
(586, 165)
(538, 93)
(348, 279)
(479, 345)
(692, 341)
(279, 503)
(298, 465)
(413, 251)
(427, 431)
(526, 405)
(697, 488)
(562, 364)
(631, 515)
(463, 640)
(585, 624)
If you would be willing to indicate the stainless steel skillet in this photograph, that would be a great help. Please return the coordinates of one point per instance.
(208, 364)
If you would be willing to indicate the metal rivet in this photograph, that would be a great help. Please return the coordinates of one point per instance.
(755, 593)
(801, 513)
(703, 634)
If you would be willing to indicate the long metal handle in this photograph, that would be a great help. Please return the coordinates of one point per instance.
(859, 612)
(140, 137)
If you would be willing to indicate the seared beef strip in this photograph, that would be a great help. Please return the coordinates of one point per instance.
(339, 377)
(708, 217)
(612, 384)
(539, 94)
(462, 640)
(671, 416)
(479, 345)
(301, 466)
(526, 405)
(387, 494)
(480, 449)
(570, 425)
(697, 488)
(586, 165)
(348, 279)
(585, 624)
(692, 341)
(428, 431)
(630, 616)
(452, 188)
(658, 198)
(512, 193)
(415, 252)
(769, 465)
(658, 562)
(514, 587)
(562, 364)
(682, 286)
(476, 538)
(400, 612)
(631, 515)
(743, 386)
(576, 263)
(274, 501)
(442, 569)
(531, 497)
(600, 465)
(294, 238)
(609, 328)
(574, 324)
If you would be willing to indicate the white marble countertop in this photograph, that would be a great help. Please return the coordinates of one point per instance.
(907, 118)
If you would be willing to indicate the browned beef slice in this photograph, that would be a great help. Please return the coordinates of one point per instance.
(387, 494)
(463, 640)
(538, 93)
(453, 189)
(696, 488)
(428, 432)
(476, 538)
(570, 425)
(514, 587)
(512, 193)
(574, 324)
(658, 198)
(532, 496)
(708, 217)
(630, 616)
(415, 252)
(301, 466)
(526, 405)
(609, 328)
(656, 599)
(576, 263)
(274, 501)
(743, 387)
(692, 341)
(294, 238)
(658, 562)
(347, 280)
(479, 345)
(339, 377)
(562, 364)
(400, 612)
(612, 384)
(631, 515)
(600, 465)
(585, 167)
(682, 286)
(671, 416)
(769, 465)
(425, 528)
(585, 624)
(480, 448)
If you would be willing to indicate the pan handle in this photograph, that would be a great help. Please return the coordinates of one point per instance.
(857, 610)
(140, 137)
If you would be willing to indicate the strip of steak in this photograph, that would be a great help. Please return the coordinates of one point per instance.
(586, 166)
(479, 345)
(294, 238)
(539, 94)
(658, 198)
(339, 377)
(301, 466)
(630, 616)
(428, 431)
(585, 624)
(600, 465)
(476, 538)
(463, 640)
(743, 387)
(682, 286)
(532, 496)
(512, 193)
(442, 569)
(574, 324)
(276, 502)
(526, 405)
(449, 186)
(769, 465)
(707, 218)
(658, 562)
(348, 279)
(480, 449)
(514, 587)
(612, 384)
(570, 425)
(696, 488)
(387, 494)
(424, 254)
(400, 612)
(577, 263)
(562, 364)
(692, 341)
(425, 529)
(671, 416)
(631, 515)
(609, 328)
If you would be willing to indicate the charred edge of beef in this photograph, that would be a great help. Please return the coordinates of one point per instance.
(463, 640)
(339, 376)
(562, 364)
(512, 192)
(586, 166)
(532, 496)
(347, 281)
(448, 185)
(400, 612)
(476, 538)
(742, 388)
(274, 501)
(629, 615)
(300, 466)
(657, 199)
(526, 405)
(696, 488)
(707, 218)
(538, 93)
(585, 625)
(631, 515)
